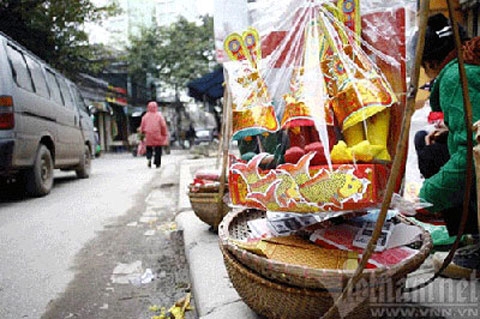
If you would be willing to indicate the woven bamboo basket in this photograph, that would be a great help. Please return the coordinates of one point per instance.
(209, 207)
(207, 188)
(234, 226)
(280, 301)
(309, 291)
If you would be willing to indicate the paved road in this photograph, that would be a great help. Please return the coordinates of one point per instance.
(78, 233)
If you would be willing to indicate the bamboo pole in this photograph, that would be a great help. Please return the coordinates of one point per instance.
(227, 107)
(396, 165)
(476, 157)
(468, 172)
(222, 129)
(467, 106)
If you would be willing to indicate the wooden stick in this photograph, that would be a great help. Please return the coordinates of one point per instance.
(396, 165)
(222, 129)
(227, 106)
(467, 106)
(468, 172)
(476, 158)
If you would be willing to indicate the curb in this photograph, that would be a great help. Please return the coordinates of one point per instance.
(214, 295)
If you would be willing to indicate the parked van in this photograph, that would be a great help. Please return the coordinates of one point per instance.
(44, 122)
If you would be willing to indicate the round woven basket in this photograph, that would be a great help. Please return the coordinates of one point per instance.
(234, 226)
(278, 290)
(279, 301)
(209, 207)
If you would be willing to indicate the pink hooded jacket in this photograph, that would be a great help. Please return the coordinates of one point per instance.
(154, 127)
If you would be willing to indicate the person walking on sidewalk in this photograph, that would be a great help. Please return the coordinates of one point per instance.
(154, 127)
(445, 189)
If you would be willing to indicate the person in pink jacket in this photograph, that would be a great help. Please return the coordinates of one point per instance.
(154, 127)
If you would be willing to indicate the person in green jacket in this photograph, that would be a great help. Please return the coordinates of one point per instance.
(445, 189)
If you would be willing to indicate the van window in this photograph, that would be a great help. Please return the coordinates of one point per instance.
(54, 88)
(37, 76)
(79, 98)
(19, 69)
(67, 96)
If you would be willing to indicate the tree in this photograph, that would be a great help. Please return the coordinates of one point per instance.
(173, 54)
(53, 30)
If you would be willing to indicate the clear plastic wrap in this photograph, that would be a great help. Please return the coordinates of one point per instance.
(317, 95)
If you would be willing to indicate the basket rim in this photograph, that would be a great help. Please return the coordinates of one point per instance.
(230, 258)
(209, 188)
(304, 272)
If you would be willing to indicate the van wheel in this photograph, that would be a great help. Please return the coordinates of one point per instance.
(83, 170)
(39, 178)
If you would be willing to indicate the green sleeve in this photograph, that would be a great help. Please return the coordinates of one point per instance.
(445, 189)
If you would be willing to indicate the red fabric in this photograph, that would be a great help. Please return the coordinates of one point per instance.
(319, 157)
(296, 139)
(302, 136)
(207, 174)
(154, 127)
(434, 117)
(312, 134)
(293, 154)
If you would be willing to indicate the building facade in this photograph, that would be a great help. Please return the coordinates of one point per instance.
(471, 13)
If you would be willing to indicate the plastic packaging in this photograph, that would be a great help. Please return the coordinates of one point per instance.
(145, 278)
(328, 77)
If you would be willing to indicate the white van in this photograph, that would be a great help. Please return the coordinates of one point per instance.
(44, 123)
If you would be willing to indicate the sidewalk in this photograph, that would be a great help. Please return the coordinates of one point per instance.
(215, 297)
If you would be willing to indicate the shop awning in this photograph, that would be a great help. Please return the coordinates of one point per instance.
(207, 88)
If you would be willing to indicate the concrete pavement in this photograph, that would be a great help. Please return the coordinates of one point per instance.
(215, 297)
